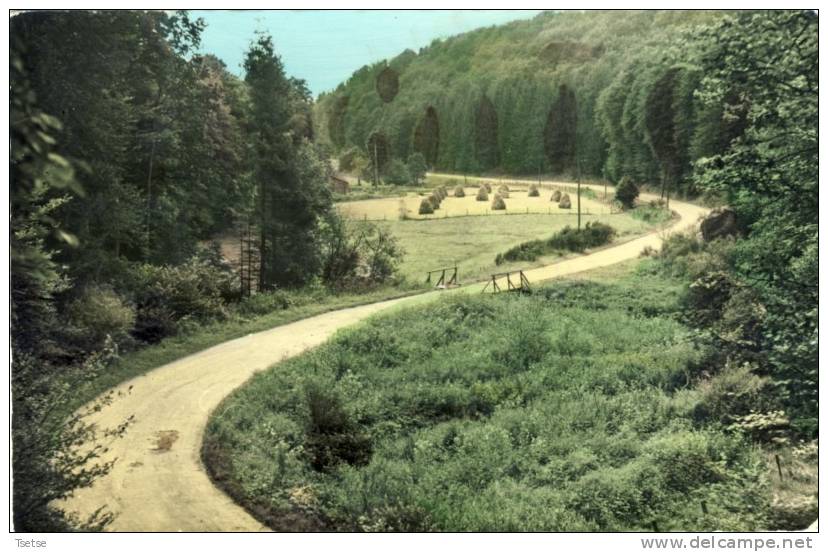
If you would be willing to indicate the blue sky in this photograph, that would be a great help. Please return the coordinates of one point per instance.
(326, 47)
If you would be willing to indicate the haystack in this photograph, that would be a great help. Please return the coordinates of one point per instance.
(425, 207)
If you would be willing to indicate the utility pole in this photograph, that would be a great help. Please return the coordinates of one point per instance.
(376, 165)
(540, 169)
(578, 163)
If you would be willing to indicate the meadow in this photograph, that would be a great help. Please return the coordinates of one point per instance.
(572, 409)
(473, 242)
(407, 205)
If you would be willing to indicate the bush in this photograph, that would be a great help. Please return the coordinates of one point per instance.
(565, 203)
(626, 192)
(498, 204)
(556, 196)
(527, 251)
(459, 192)
(592, 235)
(99, 312)
(426, 207)
(166, 295)
(397, 173)
(488, 187)
(358, 253)
(482, 194)
(330, 436)
(435, 201)
(735, 391)
(533, 191)
(417, 167)
(264, 303)
(503, 191)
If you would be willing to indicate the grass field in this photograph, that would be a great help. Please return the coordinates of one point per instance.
(569, 410)
(473, 242)
(392, 208)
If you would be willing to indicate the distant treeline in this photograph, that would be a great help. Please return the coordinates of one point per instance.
(613, 91)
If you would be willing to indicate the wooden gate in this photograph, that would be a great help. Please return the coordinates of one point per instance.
(519, 284)
(451, 271)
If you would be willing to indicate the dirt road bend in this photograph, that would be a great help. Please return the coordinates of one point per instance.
(159, 483)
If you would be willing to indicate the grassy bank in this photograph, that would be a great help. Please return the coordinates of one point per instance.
(293, 306)
(573, 409)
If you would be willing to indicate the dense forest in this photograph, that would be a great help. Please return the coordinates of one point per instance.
(131, 149)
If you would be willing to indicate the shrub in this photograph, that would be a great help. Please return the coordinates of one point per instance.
(565, 203)
(358, 253)
(482, 194)
(96, 313)
(264, 303)
(533, 191)
(626, 192)
(503, 191)
(165, 295)
(417, 167)
(488, 187)
(568, 239)
(425, 207)
(527, 251)
(397, 173)
(498, 204)
(330, 435)
(459, 192)
(735, 391)
(556, 196)
(435, 201)
(592, 235)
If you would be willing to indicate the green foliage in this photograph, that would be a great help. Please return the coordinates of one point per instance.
(397, 173)
(99, 314)
(357, 254)
(417, 167)
(167, 296)
(291, 174)
(594, 234)
(552, 412)
(48, 461)
(459, 191)
(486, 137)
(426, 140)
(560, 134)
(626, 192)
(348, 159)
(652, 213)
(482, 194)
(330, 435)
(498, 204)
(533, 191)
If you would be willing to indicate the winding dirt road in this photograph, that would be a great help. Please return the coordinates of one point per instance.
(159, 483)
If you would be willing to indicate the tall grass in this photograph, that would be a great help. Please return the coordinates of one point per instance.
(569, 410)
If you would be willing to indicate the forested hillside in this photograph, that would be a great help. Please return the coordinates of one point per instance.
(538, 95)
